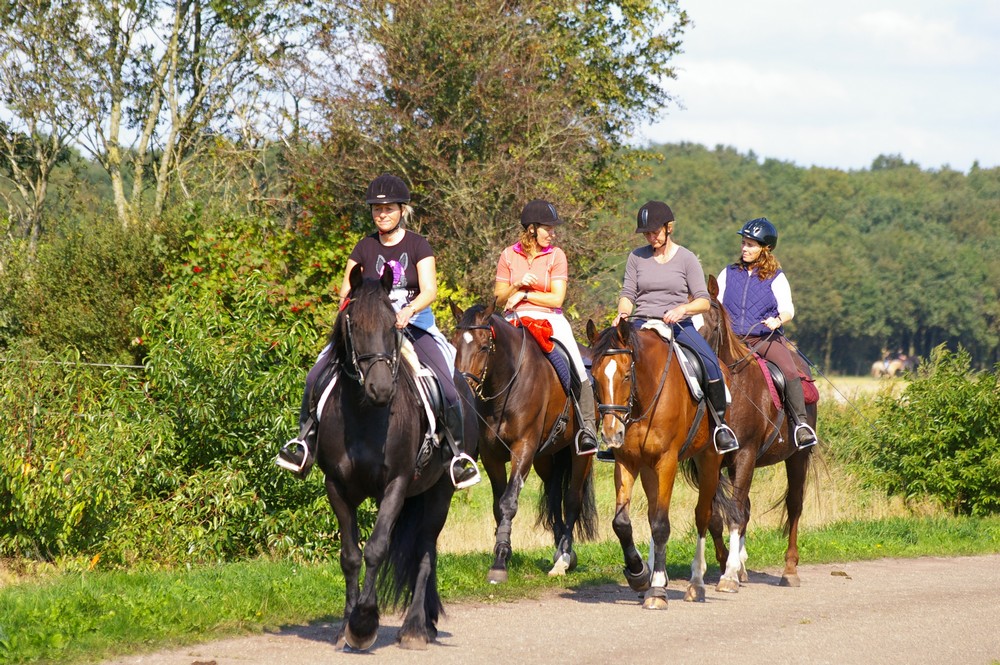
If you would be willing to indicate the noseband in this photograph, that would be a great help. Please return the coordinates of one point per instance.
(357, 361)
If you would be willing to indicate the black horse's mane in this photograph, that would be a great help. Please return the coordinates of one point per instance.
(371, 312)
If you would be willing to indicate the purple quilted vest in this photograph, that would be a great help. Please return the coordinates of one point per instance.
(748, 301)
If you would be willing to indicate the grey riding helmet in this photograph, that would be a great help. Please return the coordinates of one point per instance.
(762, 231)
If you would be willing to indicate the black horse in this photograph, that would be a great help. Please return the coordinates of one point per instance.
(372, 431)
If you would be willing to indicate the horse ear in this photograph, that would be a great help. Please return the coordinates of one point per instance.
(623, 329)
(591, 332)
(713, 287)
(456, 311)
(489, 310)
(357, 274)
(386, 280)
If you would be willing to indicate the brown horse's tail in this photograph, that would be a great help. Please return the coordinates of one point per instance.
(552, 502)
(724, 504)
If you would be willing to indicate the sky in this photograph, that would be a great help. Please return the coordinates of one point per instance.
(836, 84)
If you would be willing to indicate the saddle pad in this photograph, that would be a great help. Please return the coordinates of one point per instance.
(809, 390)
(690, 371)
(771, 388)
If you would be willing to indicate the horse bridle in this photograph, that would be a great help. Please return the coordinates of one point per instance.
(371, 358)
(478, 383)
(622, 413)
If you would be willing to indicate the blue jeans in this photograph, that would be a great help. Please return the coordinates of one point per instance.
(688, 335)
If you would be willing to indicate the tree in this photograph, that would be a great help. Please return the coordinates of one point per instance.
(156, 86)
(42, 122)
(480, 115)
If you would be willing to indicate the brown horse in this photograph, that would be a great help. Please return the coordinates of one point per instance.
(526, 421)
(647, 409)
(765, 436)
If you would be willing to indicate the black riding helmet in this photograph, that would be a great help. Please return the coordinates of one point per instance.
(539, 213)
(652, 216)
(762, 231)
(387, 188)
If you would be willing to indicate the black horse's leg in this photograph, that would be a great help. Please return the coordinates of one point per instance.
(350, 553)
(420, 624)
(659, 485)
(362, 625)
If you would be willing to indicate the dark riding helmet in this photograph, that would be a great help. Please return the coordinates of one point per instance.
(539, 213)
(652, 216)
(762, 231)
(387, 188)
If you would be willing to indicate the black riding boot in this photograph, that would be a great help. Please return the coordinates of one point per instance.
(586, 438)
(724, 437)
(298, 454)
(462, 469)
(803, 435)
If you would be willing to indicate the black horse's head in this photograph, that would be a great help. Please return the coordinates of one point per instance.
(369, 338)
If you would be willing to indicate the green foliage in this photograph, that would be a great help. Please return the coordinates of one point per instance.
(939, 439)
(172, 461)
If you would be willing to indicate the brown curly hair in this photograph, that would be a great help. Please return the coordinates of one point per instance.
(767, 264)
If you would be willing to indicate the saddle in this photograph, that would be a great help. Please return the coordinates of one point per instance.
(690, 361)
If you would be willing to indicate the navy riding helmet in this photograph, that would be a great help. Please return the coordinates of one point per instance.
(387, 188)
(762, 231)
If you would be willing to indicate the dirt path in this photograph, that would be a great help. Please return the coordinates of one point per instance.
(889, 611)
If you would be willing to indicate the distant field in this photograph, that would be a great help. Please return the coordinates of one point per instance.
(831, 495)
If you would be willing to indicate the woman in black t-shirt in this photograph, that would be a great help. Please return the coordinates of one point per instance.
(414, 287)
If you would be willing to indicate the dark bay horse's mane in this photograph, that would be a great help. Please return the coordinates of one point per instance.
(731, 347)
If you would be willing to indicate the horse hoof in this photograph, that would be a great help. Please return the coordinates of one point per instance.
(497, 576)
(560, 567)
(358, 643)
(743, 576)
(413, 643)
(656, 599)
(638, 582)
(790, 580)
(694, 594)
(727, 585)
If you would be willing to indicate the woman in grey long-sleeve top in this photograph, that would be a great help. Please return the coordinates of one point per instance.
(665, 281)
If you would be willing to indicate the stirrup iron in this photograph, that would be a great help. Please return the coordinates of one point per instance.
(795, 436)
(715, 439)
(455, 462)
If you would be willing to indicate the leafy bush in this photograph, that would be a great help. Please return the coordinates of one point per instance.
(939, 439)
(173, 462)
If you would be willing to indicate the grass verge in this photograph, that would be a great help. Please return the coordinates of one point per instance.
(73, 618)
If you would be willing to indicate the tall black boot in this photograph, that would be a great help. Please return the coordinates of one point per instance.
(586, 438)
(299, 453)
(803, 434)
(462, 469)
(724, 437)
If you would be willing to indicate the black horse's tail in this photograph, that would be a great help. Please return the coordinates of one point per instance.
(413, 551)
(551, 503)
(724, 505)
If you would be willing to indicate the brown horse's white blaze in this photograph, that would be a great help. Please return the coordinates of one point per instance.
(615, 378)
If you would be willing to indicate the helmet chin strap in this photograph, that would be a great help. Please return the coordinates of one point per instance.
(389, 232)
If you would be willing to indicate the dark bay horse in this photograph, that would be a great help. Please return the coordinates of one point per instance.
(765, 435)
(520, 400)
(372, 426)
(647, 409)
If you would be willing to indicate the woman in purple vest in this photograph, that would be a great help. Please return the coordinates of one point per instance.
(665, 281)
(756, 294)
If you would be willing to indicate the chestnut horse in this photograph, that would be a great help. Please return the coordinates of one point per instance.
(648, 411)
(765, 436)
(371, 432)
(522, 405)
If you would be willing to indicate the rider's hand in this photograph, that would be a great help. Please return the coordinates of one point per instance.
(528, 280)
